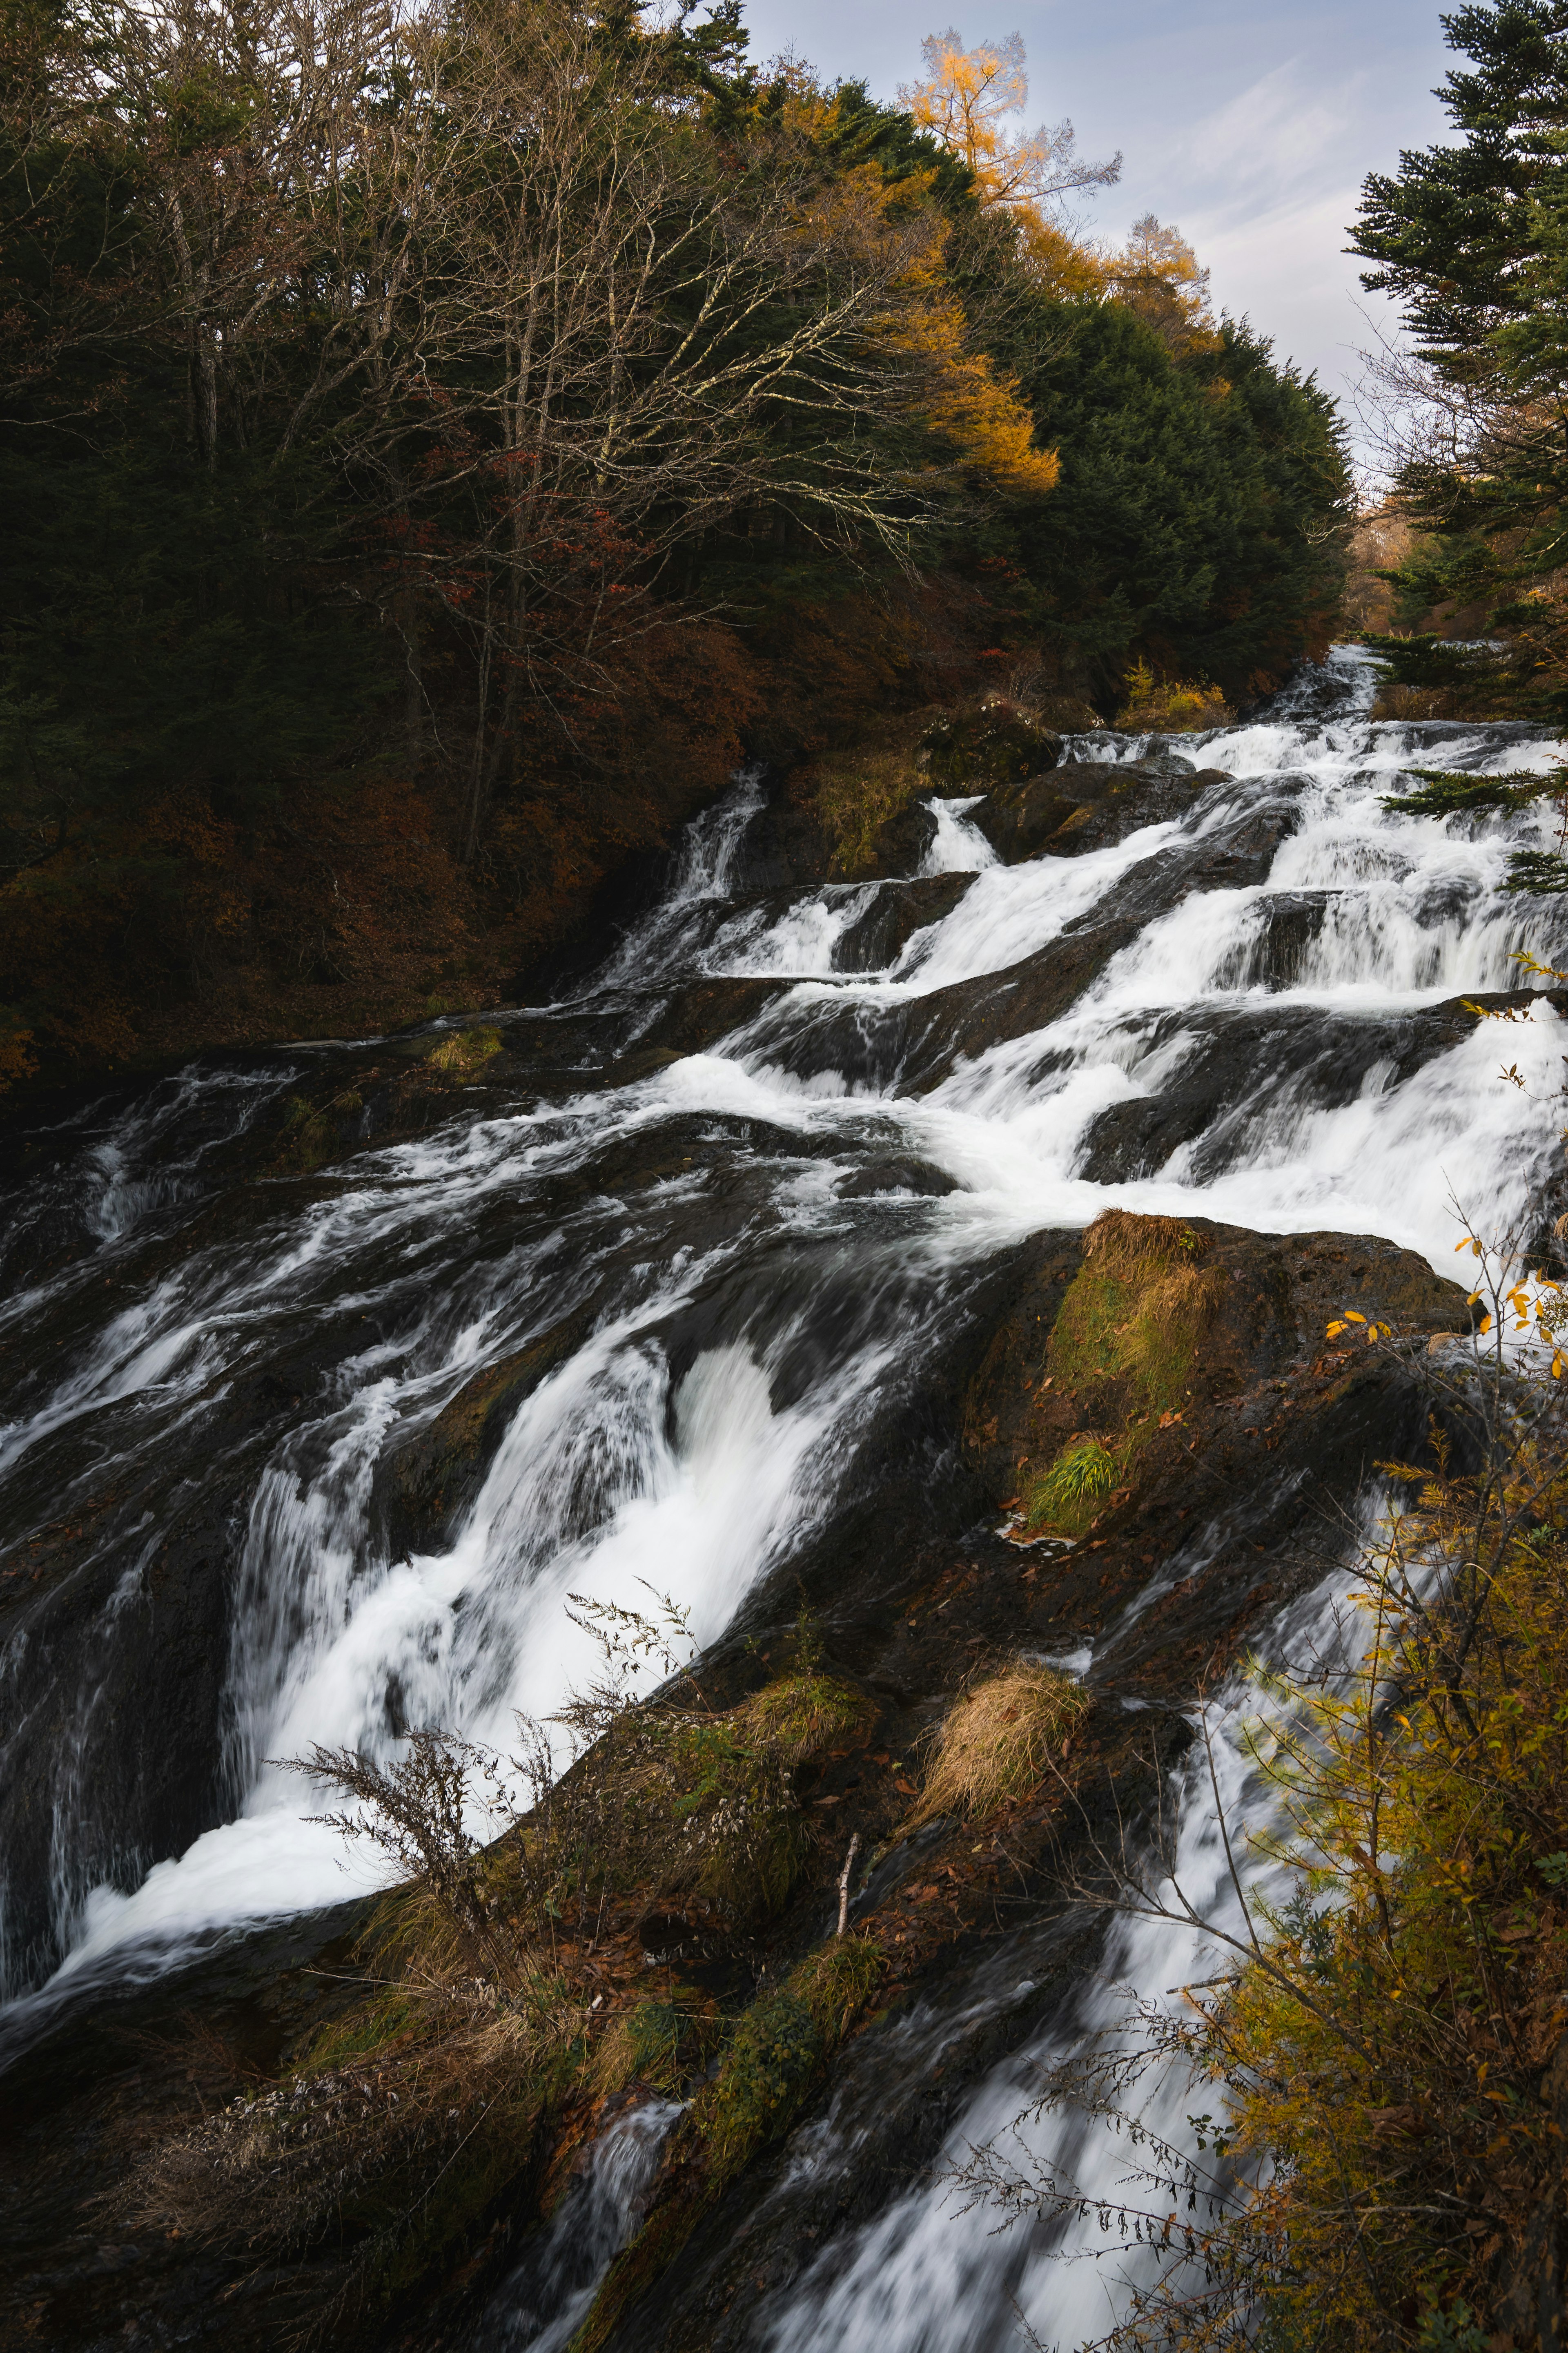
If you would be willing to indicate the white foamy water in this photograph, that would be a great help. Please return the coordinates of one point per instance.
(739, 1316)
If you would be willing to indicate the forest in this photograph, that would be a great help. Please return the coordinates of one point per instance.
(439, 447)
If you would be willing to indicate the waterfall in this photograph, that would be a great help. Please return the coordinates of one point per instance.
(734, 1255)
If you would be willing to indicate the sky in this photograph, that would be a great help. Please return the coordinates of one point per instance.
(1248, 124)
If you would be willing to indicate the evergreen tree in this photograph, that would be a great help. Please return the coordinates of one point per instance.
(1473, 239)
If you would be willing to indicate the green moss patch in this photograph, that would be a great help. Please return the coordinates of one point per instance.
(1126, 1334)
(857, 794)
(313, 1133)
(465, 1053)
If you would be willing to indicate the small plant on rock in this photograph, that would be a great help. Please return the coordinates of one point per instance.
(1067, 1496)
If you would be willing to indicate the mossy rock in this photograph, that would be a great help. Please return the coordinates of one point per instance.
(1020, 820)
(974, 751)
(1160, 1360)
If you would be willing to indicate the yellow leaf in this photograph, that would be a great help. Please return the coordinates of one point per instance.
(1485, 1323)
(1351, 1317)
(1334, 1330)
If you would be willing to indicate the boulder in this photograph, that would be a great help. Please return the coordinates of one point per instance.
(977, 750)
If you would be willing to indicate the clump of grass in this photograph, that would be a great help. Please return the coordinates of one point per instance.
(466, 1051)
(857, 794)
(1170, 706)
(1137, 1307)
(1067, 1496)
(800, 1713)
(660, 2043)
(994, 1743)
(718, 1818)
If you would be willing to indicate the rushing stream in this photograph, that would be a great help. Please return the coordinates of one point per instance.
(744, 1251)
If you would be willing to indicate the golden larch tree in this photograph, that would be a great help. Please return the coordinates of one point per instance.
(966, 100)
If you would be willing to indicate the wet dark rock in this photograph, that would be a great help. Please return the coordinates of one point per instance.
(876, 938)
(914, 1044)
(1149, 796)
(901, 1175)
(900, 846)
(1106, 744)
(1085, 805)
(88, 2084)
(428, 1481)
(121, 1587)
(1277, 1428)
(1018, 821)
(786, 844)
(1229, 1512)
(1250, 1065)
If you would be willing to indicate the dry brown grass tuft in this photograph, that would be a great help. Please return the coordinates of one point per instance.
(388, 2102)
(1160, 1260)
(1122, 1239)
(466, 1051)
(1414, 702)
(995, 1741)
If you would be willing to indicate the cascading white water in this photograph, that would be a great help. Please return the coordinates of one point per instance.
(700, 1462)
(540, 2308)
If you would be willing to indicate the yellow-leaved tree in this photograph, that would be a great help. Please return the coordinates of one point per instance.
(983, 423)
(966, 99)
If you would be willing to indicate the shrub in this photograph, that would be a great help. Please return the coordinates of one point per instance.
(1068, 1495)
(1167, 706)
(398, 2129)
(423, 2100)
(800, 1713)
(994, 1744)
(997, 743)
